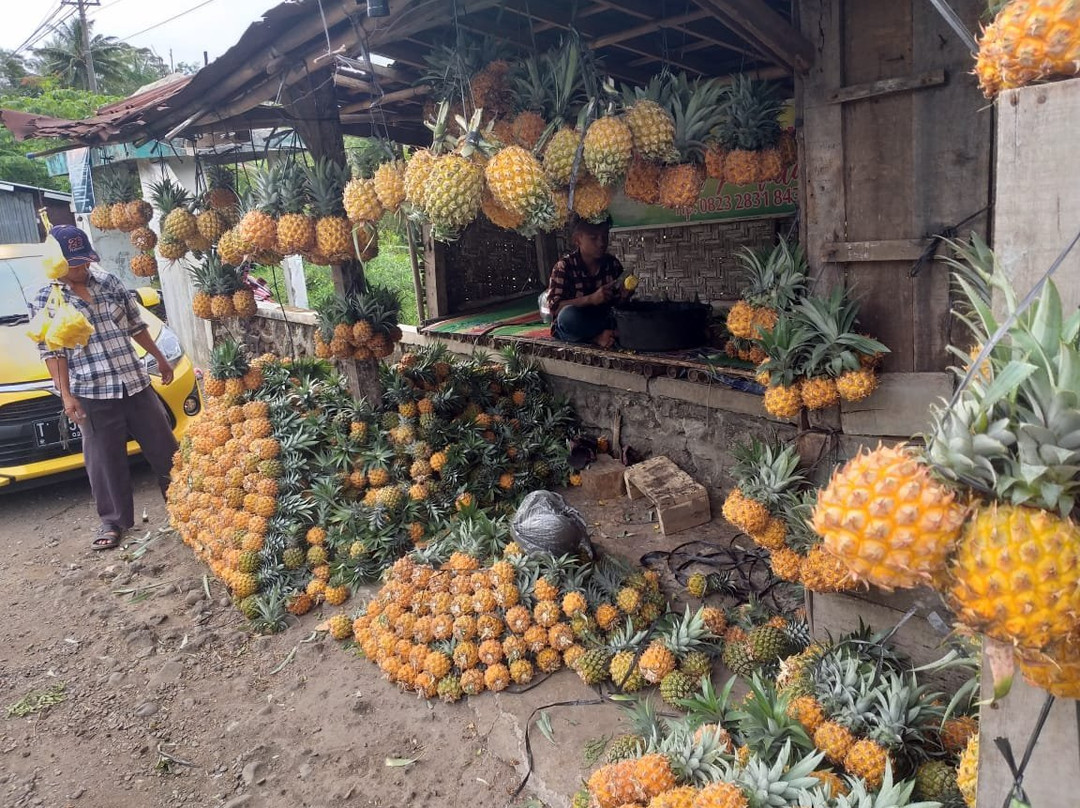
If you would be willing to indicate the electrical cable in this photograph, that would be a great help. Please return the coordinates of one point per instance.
(163, 22)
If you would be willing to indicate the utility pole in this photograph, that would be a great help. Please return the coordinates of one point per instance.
(91, 75)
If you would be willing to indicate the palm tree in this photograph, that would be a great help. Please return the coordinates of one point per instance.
(13, 69)
(65, 57)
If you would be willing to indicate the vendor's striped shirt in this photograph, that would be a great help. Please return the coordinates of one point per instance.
(107, 367)
(570, 278)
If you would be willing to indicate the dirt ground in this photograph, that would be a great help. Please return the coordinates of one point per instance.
(168, 700)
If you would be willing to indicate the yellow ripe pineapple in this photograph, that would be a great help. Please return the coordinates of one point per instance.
(559, 156)
(680, 185)
(967, 772)
(740, 318)
(211, 225)
(819, 393)
(333, 235)
(652, 129)
(527, 128)
(101, 217)
(498, 215)
(295, 229)
(144, 265)
(696, 109)
(888, 520)
(231, 247)
(834, 740)
(591, 200)
(258, 227)
(856, 385)
(389, 182)
(608, 148)
(720, 795)
(750, 132)
(453, 194)
(518, 184)
(643, 181)
(821, 571)
(1029, 41)
(417, 170)
(786, 564)
(867, 759)
(361, 201)
(1057, 670)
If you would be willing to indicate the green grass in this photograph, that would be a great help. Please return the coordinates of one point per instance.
(391, 269)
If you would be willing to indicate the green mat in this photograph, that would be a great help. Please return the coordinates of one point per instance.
(520, 312)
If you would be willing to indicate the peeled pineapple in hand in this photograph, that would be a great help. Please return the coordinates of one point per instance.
(630, 283)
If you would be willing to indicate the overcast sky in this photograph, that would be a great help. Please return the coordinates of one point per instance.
(214, 27)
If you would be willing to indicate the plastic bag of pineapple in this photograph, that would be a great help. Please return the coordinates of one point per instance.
(544, 523)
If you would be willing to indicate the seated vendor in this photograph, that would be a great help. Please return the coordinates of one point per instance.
(583, 286)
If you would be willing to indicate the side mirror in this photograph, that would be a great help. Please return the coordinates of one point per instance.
(147, 296)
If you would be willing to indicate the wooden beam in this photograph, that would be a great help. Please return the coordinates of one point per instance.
(760, 24)
(350, 83)
(388, 98)
(647, 28)
(858, 251)
(876, 89)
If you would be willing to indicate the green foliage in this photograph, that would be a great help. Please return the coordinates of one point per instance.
(47, 99)
(119, 67)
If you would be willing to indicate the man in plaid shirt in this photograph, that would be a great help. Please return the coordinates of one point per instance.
(104, 387)
(583, 285)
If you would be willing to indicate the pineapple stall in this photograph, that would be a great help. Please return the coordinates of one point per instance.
(887, 416)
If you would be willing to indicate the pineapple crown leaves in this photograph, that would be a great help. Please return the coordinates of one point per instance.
(751, 116)
(697, 107)
(227, 360)
(706, 706)
(775, 784)
(294, 191)
(640, 713)
(694, 760)
(326, 183)
(787, 348)
(763, 723)
(890, 794)
(777, 276)
(905, 713)
(168, 195)
(767, 470)
(835, 346)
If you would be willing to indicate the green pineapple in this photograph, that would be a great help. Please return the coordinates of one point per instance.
(935, 781)
(768, 643)
(695, 664)
(625, 746)
(293, 558)
(738, 658)
(592, 666)
(675, 687)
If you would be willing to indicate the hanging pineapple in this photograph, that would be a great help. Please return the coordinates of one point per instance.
(696, 108)
(608, 147)
(258, 226)
(169, 197)
(786, 347)
(590, 199)
(389, 182)
(333, 235)
(361, 200)
(1029, 41)
(750, 132)
(144, 265)
(533, 92)
(295, 229)
(650, 122)
(1015, 575)
(518, 184)
(455, 185)
(221, 189)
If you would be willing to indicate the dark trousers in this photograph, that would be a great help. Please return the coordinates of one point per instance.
(108, 423)
(582, 323)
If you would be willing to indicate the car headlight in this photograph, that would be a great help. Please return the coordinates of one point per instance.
(170, 346)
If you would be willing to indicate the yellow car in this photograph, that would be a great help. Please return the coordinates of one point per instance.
(31, 445)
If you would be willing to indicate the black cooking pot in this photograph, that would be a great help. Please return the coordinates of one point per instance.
(646, 325)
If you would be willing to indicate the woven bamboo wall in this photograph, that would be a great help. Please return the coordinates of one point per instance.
(681, 262)
(488, 263)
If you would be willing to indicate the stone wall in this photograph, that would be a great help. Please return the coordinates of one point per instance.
(284, 331)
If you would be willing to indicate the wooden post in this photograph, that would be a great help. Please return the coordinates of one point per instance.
(435, 275)
(1037, 196)
(418, 285)
(313, 104)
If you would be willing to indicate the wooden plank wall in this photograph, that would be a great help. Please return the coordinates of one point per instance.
(897, 145)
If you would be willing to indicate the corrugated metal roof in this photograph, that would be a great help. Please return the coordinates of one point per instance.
(18, 218)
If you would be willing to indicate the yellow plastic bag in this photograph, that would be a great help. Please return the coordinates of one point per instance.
(59, 324)
(56, 266)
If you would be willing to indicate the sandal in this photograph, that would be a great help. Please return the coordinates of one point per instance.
(108, 538)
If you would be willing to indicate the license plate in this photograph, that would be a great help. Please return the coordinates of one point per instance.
(47, 433)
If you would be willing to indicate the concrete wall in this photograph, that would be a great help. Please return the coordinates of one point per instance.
(275, 329)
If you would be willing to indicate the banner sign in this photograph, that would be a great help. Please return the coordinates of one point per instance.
(726, 203)
(82, 184)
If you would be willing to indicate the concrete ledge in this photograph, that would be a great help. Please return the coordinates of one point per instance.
(713, 396)
(287, 314)
(900, 407)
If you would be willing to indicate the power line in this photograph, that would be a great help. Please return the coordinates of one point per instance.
(174, 17)
(41, 28)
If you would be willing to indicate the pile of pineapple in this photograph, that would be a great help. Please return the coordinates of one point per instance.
(358, 326)
(846, 725)
(122, 209)
(1028, 41)
(772, 502)
(294, 492)
(551, 136)
(985, 513)
(807, 349)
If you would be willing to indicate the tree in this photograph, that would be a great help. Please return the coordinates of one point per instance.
(120, 68)
(13, 70)
(15, 166)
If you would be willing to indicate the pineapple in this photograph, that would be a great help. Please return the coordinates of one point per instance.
(888, 520)
(1029, 41)
(453, 194)
(1015, 575)
(144, 265)
(686, 634)
(750, 132)
(589, 199)
(676, 686)
(361, 201)
(221, 193)
(333, 236)
(608, 147)
(696, 108)
(389, 180)
(559, 156)
(258, 227)
(786, 346)
(295, 229)
(518, 184)
(417, 169)
(143, 239)
(652, 128)
(643, 181)
(967, 773)
(177, 223)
